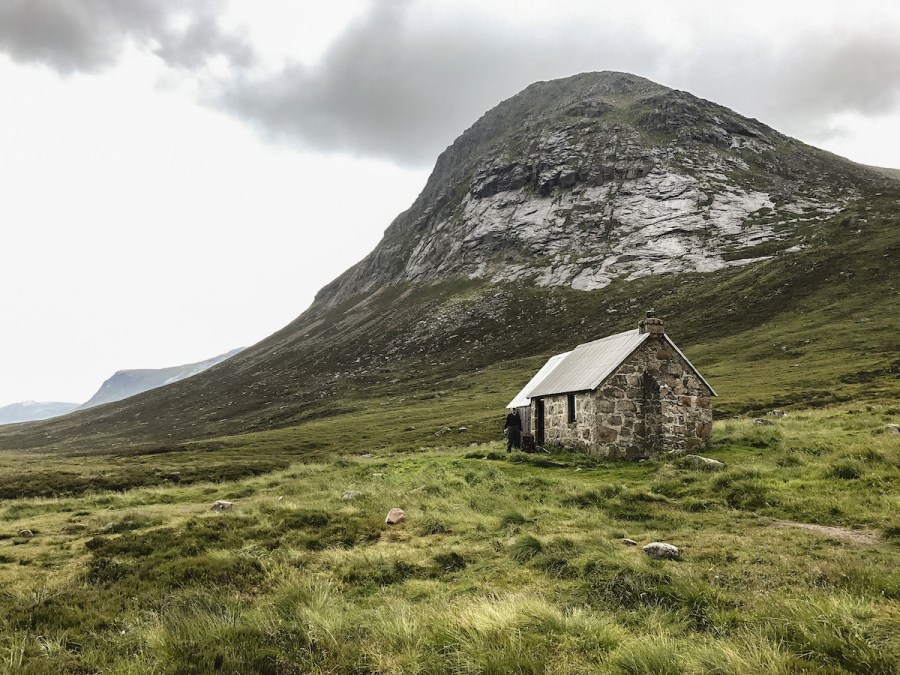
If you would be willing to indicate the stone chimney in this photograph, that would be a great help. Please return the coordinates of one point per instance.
(651, 324)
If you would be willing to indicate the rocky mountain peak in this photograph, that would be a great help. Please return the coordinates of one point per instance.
(579, 181)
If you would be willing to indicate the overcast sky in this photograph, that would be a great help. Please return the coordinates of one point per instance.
(179, 177)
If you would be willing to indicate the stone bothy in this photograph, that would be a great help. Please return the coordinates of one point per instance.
(629, 395)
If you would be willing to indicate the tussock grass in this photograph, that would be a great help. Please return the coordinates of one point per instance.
(503, 565)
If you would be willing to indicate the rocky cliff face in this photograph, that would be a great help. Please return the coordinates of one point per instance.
(579, 181)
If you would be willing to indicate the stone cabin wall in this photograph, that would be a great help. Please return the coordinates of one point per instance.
(654, 402)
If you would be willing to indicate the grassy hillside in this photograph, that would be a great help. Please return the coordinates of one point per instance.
(813, 327)
(505, 564)
(890, 173)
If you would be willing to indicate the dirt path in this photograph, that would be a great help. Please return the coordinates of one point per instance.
(856, 536)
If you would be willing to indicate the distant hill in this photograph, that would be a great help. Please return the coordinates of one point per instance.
(123, 384)
(27, 411)
(127, 383)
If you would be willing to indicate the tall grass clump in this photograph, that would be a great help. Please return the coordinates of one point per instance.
(832, 631)
(654, 655)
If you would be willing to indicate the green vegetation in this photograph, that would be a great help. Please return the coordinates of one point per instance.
(504, 564)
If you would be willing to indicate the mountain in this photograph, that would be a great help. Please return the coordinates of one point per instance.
(121, 385)
(126, 383)
(580, 181)
(27, 411)
(559, 217)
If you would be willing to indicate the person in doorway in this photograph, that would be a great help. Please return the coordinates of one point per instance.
(513, 428)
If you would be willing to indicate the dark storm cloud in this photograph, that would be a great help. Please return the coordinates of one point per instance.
(89, 35)
(800, 85)
(389, 88)
(402, 82)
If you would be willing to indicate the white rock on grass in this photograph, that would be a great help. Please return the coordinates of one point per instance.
(892, 428)
(222, 505)
(699, 462)
(26, 534)
(660, 550)
(350, 495)
(395, 516)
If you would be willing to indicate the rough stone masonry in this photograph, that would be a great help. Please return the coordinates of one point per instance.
(653, 402)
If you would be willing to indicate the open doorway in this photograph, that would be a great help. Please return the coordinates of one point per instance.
(539, 421)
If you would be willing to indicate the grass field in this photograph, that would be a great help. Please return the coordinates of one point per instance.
(504, 564)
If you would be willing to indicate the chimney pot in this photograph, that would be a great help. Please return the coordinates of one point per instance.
(651, 324)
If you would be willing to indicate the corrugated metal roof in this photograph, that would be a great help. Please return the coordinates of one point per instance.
(522, 399)
(589, 364)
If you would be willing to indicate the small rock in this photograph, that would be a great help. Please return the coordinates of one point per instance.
(578, 468)
(698, 462)
(763, 422)
(377, 475)
(659, 550)
(222, 505)
(27, 534)
(367, 455)
(350, 495)
(463, 428)
(629, 542)
(395, 516)
(474, 445)
(892, 428)
(776, 413)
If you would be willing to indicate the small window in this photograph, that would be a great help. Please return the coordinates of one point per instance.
(571, 408)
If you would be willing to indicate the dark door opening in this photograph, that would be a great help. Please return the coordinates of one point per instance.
(539, 422)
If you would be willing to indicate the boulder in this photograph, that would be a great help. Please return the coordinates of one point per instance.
(660, 550)
(26, 534)
(395, 516)
(463, 428)
(699, 462)
(892, 428)
(350, 495)
(777, 413)
(222, 505)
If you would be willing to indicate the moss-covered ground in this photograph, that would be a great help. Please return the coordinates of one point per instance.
(504, 564)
